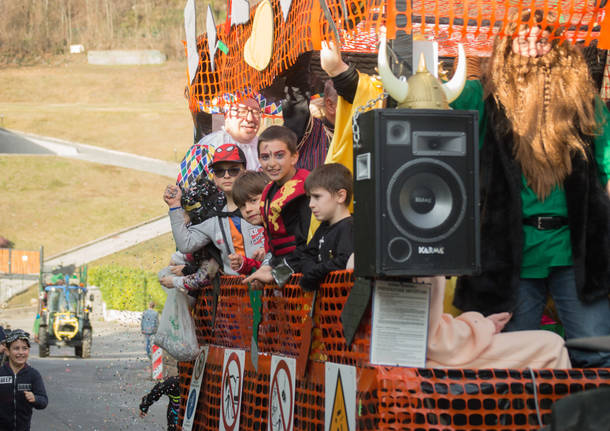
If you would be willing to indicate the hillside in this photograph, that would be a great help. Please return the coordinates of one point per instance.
(35, 31)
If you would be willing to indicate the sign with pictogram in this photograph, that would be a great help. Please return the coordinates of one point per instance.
(340, 399)
(232, 378)
(282, 388)
(191, 403)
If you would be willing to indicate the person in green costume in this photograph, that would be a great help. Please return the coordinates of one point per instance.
(545, 170)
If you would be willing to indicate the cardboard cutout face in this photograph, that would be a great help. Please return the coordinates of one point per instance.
(243, 120)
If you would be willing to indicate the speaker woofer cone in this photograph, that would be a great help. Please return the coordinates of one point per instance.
(426, 200)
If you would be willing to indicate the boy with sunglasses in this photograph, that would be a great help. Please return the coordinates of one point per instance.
(228, 231)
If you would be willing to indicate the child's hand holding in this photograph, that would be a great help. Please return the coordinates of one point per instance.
(259, 254)
(236, 261)
(177, 270)
(172, 196)
(261, 277)
(167, 282)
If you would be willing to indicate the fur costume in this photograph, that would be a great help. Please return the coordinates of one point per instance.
(548, 102)
(502, 226)
(541, 123)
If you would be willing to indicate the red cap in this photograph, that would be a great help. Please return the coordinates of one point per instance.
(228, 153)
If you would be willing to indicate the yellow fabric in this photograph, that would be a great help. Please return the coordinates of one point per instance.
(341, 146)
(448, 306)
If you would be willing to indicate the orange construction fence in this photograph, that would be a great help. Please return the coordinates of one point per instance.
(387, 398)
(475, 23)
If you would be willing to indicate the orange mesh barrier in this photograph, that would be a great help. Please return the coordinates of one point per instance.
(388, 398)
(472, 22)
(284, 313)
(309, 396)
(427, 399)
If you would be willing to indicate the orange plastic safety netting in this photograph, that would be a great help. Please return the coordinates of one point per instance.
(284, 316)
(387, 398)
(474, 23)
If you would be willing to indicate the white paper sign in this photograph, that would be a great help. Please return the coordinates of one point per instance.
(282, 390)
(230, 390)
(400, 323)
(210, 28)
(191, 403)
(190, 30)
(285, 5)
(240, 12)
(340, 397)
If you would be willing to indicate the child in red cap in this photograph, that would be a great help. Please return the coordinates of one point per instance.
(228, 231)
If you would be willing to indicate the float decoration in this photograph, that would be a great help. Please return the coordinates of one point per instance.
(474, 24)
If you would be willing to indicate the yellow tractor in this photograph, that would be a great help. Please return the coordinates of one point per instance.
(64, 312)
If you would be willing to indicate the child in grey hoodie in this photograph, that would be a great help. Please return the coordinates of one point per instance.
(227, 231)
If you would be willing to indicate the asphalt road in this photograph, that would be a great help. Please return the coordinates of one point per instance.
(12, 143)
(100, 393)
(15, 142)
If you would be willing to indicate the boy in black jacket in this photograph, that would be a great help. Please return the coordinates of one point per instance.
(21, 386)
(330, 191)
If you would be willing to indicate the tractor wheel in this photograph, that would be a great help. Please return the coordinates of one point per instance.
(43, 343)
(86, 346)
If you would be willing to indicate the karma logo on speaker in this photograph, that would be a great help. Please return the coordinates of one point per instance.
(430, 250)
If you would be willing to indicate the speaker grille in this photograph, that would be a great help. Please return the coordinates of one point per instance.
(426, 200)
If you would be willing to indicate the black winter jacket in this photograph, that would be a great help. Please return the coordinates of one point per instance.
(15, 410)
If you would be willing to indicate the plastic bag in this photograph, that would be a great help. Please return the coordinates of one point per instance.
(176, 332)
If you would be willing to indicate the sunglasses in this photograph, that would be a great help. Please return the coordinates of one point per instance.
(220, 172)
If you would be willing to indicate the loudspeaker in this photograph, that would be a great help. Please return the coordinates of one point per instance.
(416, 193)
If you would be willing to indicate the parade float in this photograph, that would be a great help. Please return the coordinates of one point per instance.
(251, 374)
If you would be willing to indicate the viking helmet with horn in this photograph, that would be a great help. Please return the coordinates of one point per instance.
(422, 90)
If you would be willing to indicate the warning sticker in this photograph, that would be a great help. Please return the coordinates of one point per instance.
(340, 400)
(191, 403)
(232, 378)
(281, 394)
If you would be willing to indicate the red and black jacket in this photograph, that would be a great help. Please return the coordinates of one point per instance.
(286, 215)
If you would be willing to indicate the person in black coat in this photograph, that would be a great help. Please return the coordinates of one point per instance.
(330, 191)
(21, 386)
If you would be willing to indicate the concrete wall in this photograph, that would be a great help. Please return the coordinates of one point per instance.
(124, 57)
(10, 287)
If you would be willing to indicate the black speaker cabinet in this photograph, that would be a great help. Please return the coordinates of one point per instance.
(416, 193)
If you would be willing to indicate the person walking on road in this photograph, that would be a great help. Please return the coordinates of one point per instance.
(21, 386)
(149, 325)
(171, 388)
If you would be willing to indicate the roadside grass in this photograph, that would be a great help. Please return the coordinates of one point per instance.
(136, 109)
(151, 256)
(27, 298)
(61, 203)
